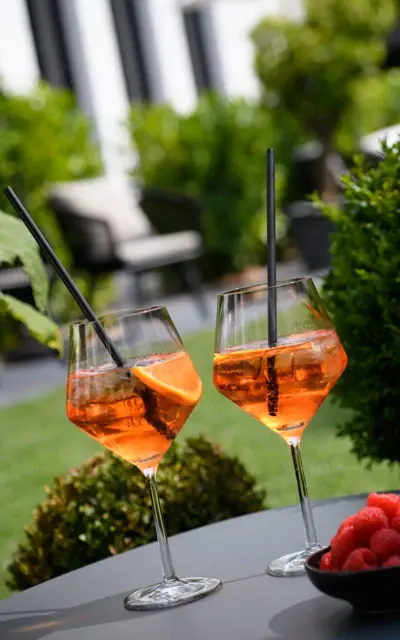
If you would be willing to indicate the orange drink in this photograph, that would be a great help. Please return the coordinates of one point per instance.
(136, 411)
(306, 366)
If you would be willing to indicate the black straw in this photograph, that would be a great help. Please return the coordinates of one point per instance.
(271, 249)
(273, 388)
(64, 275)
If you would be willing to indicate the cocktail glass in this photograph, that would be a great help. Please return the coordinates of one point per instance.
(136, 411)
(281, 385)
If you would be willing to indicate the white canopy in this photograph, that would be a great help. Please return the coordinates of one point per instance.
(371, 143)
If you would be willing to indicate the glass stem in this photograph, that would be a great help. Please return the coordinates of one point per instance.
(309, 526)
(166, 560)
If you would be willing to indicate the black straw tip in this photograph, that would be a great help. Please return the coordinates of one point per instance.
(271, 246)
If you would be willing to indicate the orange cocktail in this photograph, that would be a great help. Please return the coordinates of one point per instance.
(137, 411)
(305, 368)
(132, 386)
(277, 357)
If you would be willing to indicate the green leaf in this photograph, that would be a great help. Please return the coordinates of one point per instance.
(39, 325)
(16, 243)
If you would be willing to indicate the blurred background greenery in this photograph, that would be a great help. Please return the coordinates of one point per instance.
(324, 84)
(323, 80)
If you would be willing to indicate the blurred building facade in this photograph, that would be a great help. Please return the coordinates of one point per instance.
(113, 52)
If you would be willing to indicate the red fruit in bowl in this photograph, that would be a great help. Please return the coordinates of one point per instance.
(360, 560)
(385, 543)
(395, 524)
(349, 521)
(346, 523)
(342, 545)
(326, 562)
(367, 521)
(393, 561)
(388, 502)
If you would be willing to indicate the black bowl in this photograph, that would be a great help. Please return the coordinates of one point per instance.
(371, 591)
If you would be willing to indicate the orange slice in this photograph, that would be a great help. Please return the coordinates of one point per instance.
(238, 356)
(174, 377)
(263, 352)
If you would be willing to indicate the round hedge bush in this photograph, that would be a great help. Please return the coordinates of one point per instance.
(103, 508)
(362, 292)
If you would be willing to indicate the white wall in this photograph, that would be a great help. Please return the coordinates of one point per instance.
(167, 48)
(19, 69)
(292, 8)
(233, 21)
(97, 66)
(229, 25)
(98, 73)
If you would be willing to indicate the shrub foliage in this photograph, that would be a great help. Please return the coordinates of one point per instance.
(363, 294)
(216, 153)
(104, 508)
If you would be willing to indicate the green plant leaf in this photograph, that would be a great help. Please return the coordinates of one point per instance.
(39, 325)
(16, 243)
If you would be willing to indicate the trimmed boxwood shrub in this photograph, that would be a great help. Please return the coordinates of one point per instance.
(363, 294)
(103, 508)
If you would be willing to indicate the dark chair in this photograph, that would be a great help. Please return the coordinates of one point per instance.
(170, 212)
(107, 231)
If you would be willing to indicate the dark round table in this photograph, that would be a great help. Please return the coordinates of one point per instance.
(88, 604)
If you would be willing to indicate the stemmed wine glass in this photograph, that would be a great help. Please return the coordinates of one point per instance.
(284, 384)
(136, 411)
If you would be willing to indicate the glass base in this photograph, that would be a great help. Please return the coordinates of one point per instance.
(292, 564)
(171, 593)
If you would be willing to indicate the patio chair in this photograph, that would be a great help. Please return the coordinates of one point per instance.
(107, 231)
(170, 211)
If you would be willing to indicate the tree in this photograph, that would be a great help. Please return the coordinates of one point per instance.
(309, 69)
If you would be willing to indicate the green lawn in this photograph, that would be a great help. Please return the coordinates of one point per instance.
(38, 443)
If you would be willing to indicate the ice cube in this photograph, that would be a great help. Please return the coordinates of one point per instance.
(112, 386)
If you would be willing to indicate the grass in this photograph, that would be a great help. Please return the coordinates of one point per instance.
(38, 443)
